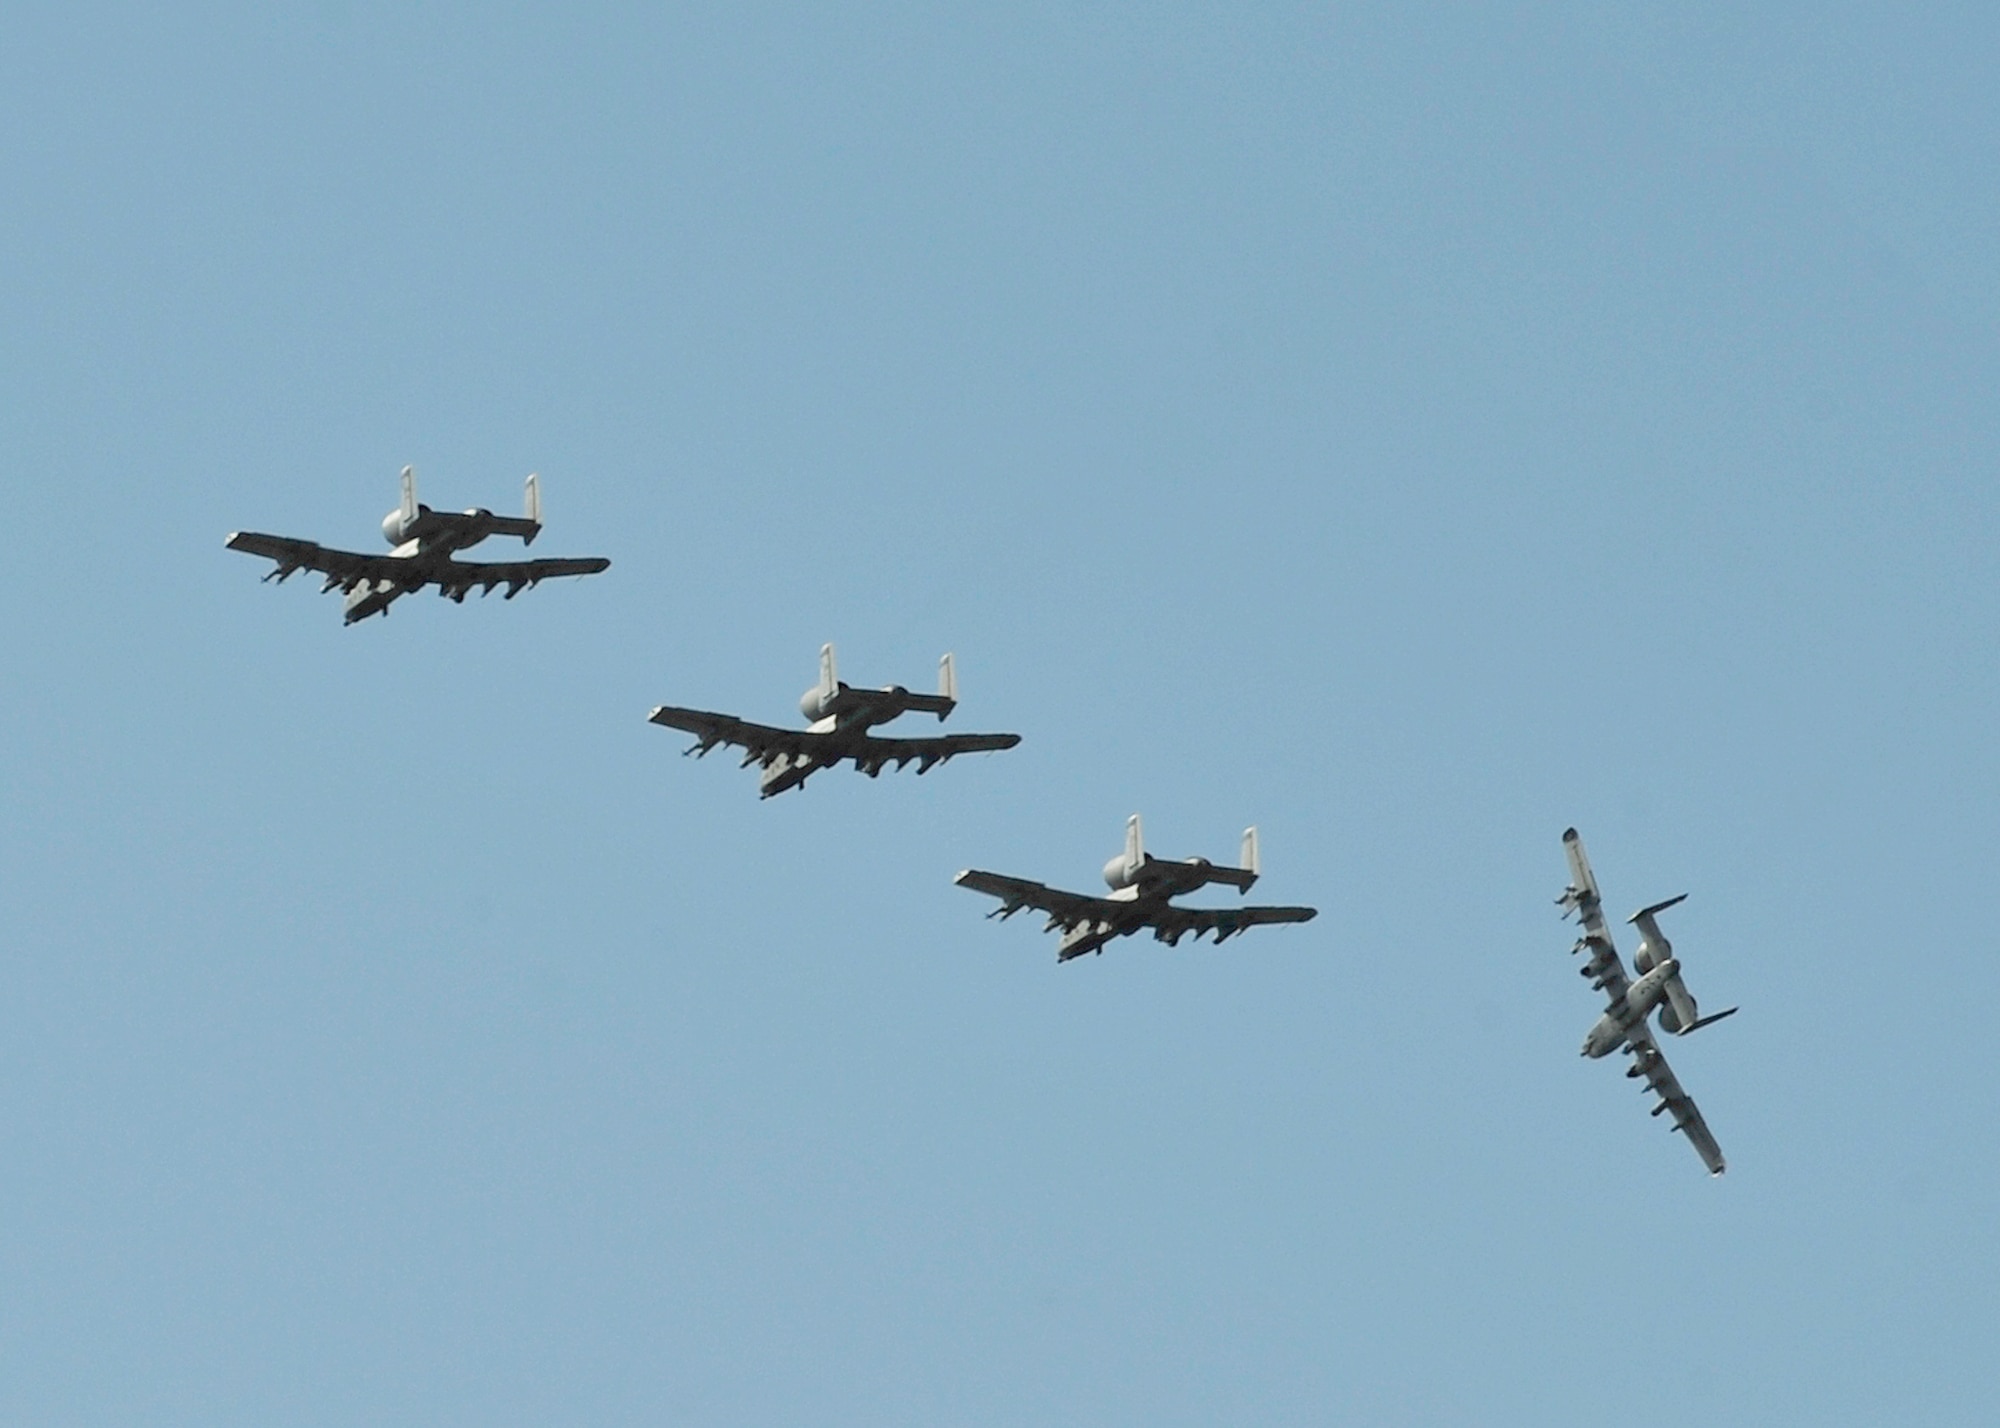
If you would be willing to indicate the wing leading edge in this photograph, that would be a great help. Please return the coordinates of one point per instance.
(348, 570)
(709, 729)
(869, 754)
(1065, 909)
(1069, 911)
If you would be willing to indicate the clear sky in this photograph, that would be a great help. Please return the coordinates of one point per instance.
(1412, 431)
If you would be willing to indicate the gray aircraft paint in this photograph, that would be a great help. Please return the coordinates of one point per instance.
(839, 719)
(423, 546)
(1142, 891)
(1659, 987)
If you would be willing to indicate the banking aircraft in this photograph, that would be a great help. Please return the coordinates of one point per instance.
(1142, 890)
(1659, 986)
(423, 544)
(839, 719)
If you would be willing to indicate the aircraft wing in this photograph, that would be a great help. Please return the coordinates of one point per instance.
(1649, 1063)
(1605, 971)
(760, 741)
(1173, 923)
(461, 575)
(339, 565)
(347, 569)
(877, 752)
(1065, 909)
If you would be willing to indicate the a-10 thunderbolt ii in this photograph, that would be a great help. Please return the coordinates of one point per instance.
(1142, 891)
(1659, 986)
(424, 543)
(839, 720)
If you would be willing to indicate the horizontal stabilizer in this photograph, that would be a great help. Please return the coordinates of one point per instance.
(1657, 907)
(1710, 1020)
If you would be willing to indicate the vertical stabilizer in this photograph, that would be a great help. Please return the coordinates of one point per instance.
(1249, 863)
(1135, 847)
(828, 683)
(409, 507)
(947, 684)
(534, 508)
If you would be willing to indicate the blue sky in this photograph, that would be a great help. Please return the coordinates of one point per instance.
(1413, 431)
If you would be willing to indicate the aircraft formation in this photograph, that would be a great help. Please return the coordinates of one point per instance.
(840, 720)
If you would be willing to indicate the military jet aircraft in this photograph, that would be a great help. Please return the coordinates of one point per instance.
(1142, 890)
(1659, 986)
(840, 717)
(424, 542)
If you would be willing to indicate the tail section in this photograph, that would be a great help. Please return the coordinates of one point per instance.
(1709, 1020)
(947, 685)
(533, 511)
(408, 510)
(1646, 914)
(829, 682)
(1248, 861)
(1135, 843)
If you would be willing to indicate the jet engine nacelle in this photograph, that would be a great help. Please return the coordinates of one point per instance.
(817, 703)
(397, 528)
(1118, 873)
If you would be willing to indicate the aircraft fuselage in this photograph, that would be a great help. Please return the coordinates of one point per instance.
(841, 717)
(1614, 1029)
